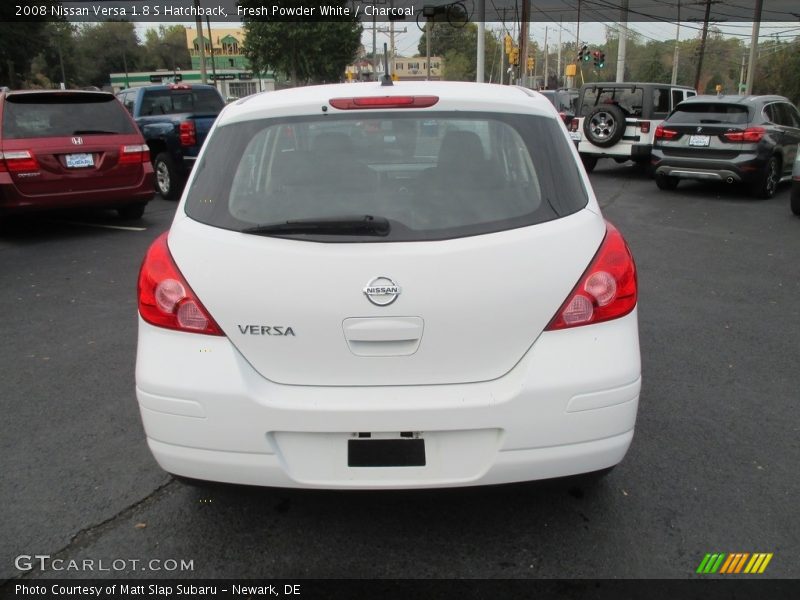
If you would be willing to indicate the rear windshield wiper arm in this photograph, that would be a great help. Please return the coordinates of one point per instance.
(345, 225)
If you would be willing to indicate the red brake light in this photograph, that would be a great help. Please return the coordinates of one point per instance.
(165, 298)
(662, 133)
(573, 126)
(644, 126)
(188, 133)
(19, 161)
(751, 135)
(384, 102)
(607, 290)
(133, 154)
(179, 86)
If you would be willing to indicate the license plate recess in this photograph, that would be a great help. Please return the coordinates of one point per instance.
(403, 452)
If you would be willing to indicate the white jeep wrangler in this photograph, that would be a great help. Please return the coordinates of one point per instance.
(618, 120)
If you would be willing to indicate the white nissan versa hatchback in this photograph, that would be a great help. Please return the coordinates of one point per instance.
(402, 286)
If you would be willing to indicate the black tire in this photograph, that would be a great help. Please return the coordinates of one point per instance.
(168, 180)
(604, 126)
(131, 212)
(665, 182)
(794, 203)
(766, 183)
(589, 162)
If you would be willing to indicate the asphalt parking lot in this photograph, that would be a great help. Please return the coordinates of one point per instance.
(713, 465)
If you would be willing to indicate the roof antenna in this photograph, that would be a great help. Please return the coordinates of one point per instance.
(387, 78)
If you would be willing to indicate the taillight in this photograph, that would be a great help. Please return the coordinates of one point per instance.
(751, 135)
(662, 133)
(607, 290)
(19, 161)
(165, 298)
(573, 126)
(384, 102)
(133, 154)
(644, 126)
(187, 133)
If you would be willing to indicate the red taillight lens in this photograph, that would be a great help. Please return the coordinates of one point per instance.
(750, 135)
(384, 102)
(607, 290)
(573, 126)
(133, 154)
(187, 133)
(644, 126)
(19, 161)
(165, 299)
(662, 133)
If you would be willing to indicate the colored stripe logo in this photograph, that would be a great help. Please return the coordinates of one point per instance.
(737, 562)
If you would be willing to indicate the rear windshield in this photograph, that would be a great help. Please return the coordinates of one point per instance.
(629, 100)
(710, 112)
(433, 176)
(53, 115)
(171, 102)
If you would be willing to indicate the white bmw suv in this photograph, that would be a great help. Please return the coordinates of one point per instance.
(377, 286)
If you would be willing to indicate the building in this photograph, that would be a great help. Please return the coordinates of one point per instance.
(403, 69)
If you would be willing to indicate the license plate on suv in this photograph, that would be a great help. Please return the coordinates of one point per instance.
(699, 140)
(79, 161)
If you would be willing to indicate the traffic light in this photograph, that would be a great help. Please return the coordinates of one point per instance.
(513, 58)
(530, 63)
(509, 44)
(601, 59)
(583, 55)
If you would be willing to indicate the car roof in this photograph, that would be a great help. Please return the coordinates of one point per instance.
(172, 86)
(453, 95)
(734, 99)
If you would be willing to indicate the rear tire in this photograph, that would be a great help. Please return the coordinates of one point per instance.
(168, 182)
(665, 182)
(766, 183)
(131, 212)
(589, 162)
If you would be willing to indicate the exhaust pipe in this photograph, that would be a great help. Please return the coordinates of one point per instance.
(729, 180)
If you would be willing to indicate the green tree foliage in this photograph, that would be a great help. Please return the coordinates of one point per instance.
(20, 42)
(458, 44)
(305, 52)
(105, 48)
(165, 48)
(59, 51)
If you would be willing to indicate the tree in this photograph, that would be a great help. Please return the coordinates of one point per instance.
(459, 46)
(108, 47)
(306, 52)
(20, 42)
(165, 48)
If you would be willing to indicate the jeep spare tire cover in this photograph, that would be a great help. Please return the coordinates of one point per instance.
(604, 126)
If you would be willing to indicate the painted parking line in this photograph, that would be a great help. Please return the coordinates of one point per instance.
(102, 226)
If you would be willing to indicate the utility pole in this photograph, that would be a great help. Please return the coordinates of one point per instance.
(545, 59)
(428, 48)
(741, 75)
(751, 67)
(523, 39)
(623, 41)
(211, 41)
(703, 45)
(479, 71)
(558, 76)
(677, 50)
(374, 48)
(201, 42)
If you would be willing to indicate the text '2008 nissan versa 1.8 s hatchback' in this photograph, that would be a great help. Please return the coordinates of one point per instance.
(403, 286)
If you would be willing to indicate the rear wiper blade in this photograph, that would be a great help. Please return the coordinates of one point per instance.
(344, 225)
(710, 121)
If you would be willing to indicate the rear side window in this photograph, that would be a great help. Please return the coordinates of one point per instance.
(171, 102)
(54, 115)
(660, 101)
(433, 175)
(710, 112)
(629, 100)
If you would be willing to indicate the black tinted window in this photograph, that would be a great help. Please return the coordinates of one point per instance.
(433, 176)
(629, 100)
(660, 101)
(171, 102)
(710, 112)
(53, 115)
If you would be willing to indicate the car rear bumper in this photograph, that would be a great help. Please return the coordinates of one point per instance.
(12, 202)
(743, 169)
(568, 407)
(632, 151)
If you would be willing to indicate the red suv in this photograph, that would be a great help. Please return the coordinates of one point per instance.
(65, 149)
